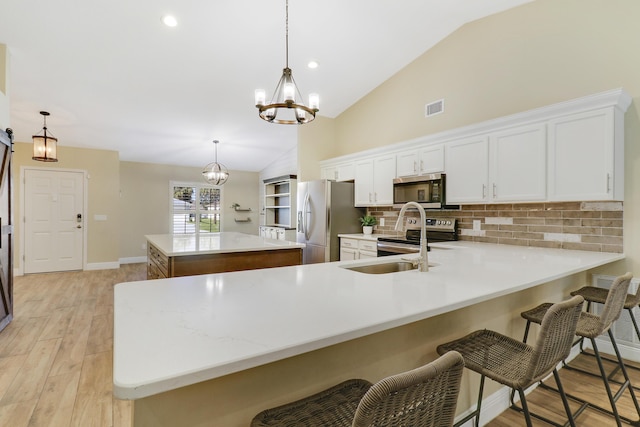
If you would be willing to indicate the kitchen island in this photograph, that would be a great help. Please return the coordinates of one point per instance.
(175, 255)
(217, 349)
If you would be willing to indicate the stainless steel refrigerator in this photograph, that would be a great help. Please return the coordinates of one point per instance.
(325, 209)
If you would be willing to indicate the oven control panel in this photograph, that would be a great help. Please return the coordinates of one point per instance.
(432, 224)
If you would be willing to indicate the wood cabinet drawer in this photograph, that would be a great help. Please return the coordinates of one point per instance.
(161, 261)
(368, 245)
(153, 272)
(348, 243)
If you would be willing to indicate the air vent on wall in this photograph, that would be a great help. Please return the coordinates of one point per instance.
(434, 108)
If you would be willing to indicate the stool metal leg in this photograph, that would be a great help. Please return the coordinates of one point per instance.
(475, 414)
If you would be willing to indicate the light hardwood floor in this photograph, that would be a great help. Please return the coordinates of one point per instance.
(56, 355)
(56, 359)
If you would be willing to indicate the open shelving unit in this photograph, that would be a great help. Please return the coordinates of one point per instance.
(280, 201)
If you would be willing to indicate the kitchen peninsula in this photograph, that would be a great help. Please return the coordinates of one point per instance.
(174, 255)
(217, 349)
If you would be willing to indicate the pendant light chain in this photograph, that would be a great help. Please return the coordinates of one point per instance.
(287, 34)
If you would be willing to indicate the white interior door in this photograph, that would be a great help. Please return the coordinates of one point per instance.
(54, 220)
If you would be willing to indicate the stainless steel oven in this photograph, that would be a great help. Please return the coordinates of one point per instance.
(438, 230)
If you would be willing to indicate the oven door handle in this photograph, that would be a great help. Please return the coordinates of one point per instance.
(399, 248)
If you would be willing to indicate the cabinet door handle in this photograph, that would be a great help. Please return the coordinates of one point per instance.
(608, 183)
(335, 174)
(421, 165)
(375, 196)
(484, 191)
(415, 166)
(369, 197)
(494, 190)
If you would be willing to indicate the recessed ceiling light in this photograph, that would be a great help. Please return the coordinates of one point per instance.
(169, 20)
(312, 64)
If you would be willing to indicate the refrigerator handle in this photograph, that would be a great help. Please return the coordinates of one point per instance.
(300, 227)
(305, 212)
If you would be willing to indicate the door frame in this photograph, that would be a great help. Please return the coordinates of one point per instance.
(85, 175)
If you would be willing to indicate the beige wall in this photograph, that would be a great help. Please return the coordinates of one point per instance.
(145, 202)
(4, 86)
(317, 142)
(103, 198)
(538, 54)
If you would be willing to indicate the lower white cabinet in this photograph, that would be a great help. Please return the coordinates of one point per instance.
(352, 248)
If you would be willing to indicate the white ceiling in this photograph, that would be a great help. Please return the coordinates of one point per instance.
(114, 77)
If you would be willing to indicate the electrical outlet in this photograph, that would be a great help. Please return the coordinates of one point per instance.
(476, 225)
(381, 222)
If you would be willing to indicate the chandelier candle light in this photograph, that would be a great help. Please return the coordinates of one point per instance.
(283, 108)
(215, 173)
(44, 146)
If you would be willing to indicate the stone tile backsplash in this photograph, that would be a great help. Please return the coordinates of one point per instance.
(591, 226)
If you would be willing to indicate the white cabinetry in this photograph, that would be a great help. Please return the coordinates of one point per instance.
(503, 166)
(428, 159)
(517, 164)
(374, 181)
(340, 172)
(367, 249)
(586, 156)
(348, 249)
(355, 248)
(467, 168)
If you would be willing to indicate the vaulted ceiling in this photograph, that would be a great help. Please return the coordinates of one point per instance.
(114, 77)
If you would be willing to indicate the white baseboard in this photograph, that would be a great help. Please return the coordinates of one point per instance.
(18, 271)
(102, 265)
(628, 352)
(133, 260)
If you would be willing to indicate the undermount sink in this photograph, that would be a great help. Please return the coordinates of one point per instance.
(383, 268)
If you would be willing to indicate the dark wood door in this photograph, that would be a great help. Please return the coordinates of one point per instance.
(6, 229)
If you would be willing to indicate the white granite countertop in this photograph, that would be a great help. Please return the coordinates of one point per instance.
(170, 333)
(213, 243)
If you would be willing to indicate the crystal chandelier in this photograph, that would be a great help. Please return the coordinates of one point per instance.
(45, 145)
(215, 173)
(283, 108)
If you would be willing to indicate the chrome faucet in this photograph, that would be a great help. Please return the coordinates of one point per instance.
(423, 261)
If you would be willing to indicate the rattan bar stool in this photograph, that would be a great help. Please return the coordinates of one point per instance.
(591, 326)
(593, 294)
(423, 397)
(519, 365)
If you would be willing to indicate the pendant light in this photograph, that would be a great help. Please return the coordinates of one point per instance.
(215, 173)
(45, 145)
(283, 108)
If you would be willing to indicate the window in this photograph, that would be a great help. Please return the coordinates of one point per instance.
(195, 208)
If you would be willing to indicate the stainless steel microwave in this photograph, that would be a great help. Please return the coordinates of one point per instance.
(428, 190)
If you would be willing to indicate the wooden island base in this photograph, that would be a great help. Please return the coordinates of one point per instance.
(161, 266)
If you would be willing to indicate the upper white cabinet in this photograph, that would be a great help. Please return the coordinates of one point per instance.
(518, 164)
(467, 169)
(329, 172)
(374, 181)
(569, 151)
(428, 159)
(586, 156)
(503, 166)
(340, 172)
